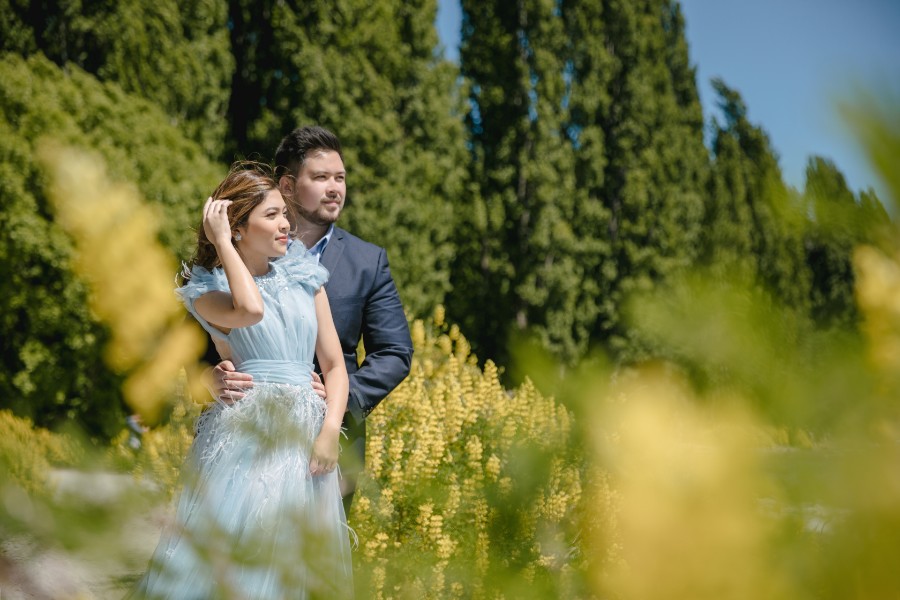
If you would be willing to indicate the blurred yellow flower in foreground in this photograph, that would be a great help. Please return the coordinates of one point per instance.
(878, 295)
(130, 276)
(689, 486)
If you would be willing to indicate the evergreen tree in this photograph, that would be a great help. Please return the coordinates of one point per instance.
(656, 162)
(589, 71)
(518, 266)
(173, 53)
(50, 343)
(368, 71)
(841, 222)
(754, 227)
(728, 240)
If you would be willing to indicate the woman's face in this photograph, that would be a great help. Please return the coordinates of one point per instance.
(266, 230)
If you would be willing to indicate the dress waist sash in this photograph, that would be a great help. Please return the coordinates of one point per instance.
(278, 371)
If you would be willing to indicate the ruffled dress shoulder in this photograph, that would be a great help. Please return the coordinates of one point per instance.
(301, 266)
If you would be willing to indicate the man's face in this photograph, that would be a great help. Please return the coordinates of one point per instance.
(318, 192)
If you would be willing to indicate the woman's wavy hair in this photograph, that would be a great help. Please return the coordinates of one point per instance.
(246, 186)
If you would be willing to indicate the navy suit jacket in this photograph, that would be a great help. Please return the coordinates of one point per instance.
(365, 305)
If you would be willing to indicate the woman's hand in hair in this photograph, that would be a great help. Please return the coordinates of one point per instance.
(215, 221)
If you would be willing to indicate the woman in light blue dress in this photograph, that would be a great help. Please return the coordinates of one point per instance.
(260, 515)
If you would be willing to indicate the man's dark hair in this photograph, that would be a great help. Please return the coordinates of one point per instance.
(300, 144)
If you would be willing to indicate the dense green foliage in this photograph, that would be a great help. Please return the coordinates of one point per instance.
(589, 155)
(535, 188)
(173, 53)
(654, 162)
(842, 221)
(517, 261)
(754, 226)
(51, 344)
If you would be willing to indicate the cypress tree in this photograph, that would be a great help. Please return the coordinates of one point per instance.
(658, 164)
(841, 221)
(590, 70)
(755, 226)
(634, 92)
(728, 223)
(517, 268)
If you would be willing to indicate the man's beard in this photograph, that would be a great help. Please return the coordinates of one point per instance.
(319, 216)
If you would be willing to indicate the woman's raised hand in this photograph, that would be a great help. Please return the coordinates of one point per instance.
(215, 221)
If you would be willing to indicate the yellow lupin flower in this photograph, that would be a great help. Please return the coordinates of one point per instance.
(439, 314)
(424, 518)
(446, 345)
(492, 468)
(453, 499)
(474, 450)
(482, 552)
(379, 577)
(374, 460)
(439, 579)
(386, 506)
(435, 526)
(395, 449)
(417, 332)
(445, 546)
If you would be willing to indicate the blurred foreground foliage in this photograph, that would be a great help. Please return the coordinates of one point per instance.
(27, 452)
(158, 459)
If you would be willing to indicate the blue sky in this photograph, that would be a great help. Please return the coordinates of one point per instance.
(792, 61)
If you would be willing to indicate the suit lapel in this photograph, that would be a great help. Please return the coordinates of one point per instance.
(333, 250)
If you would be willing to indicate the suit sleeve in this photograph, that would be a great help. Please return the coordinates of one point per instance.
(389, 350)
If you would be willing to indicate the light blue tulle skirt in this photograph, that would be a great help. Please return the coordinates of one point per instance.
(251, 522)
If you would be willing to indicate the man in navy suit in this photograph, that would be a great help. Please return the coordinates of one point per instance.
(364, 301)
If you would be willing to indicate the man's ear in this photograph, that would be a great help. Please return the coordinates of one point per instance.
(286, 186)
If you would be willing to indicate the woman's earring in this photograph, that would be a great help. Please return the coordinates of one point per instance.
(237, 237)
